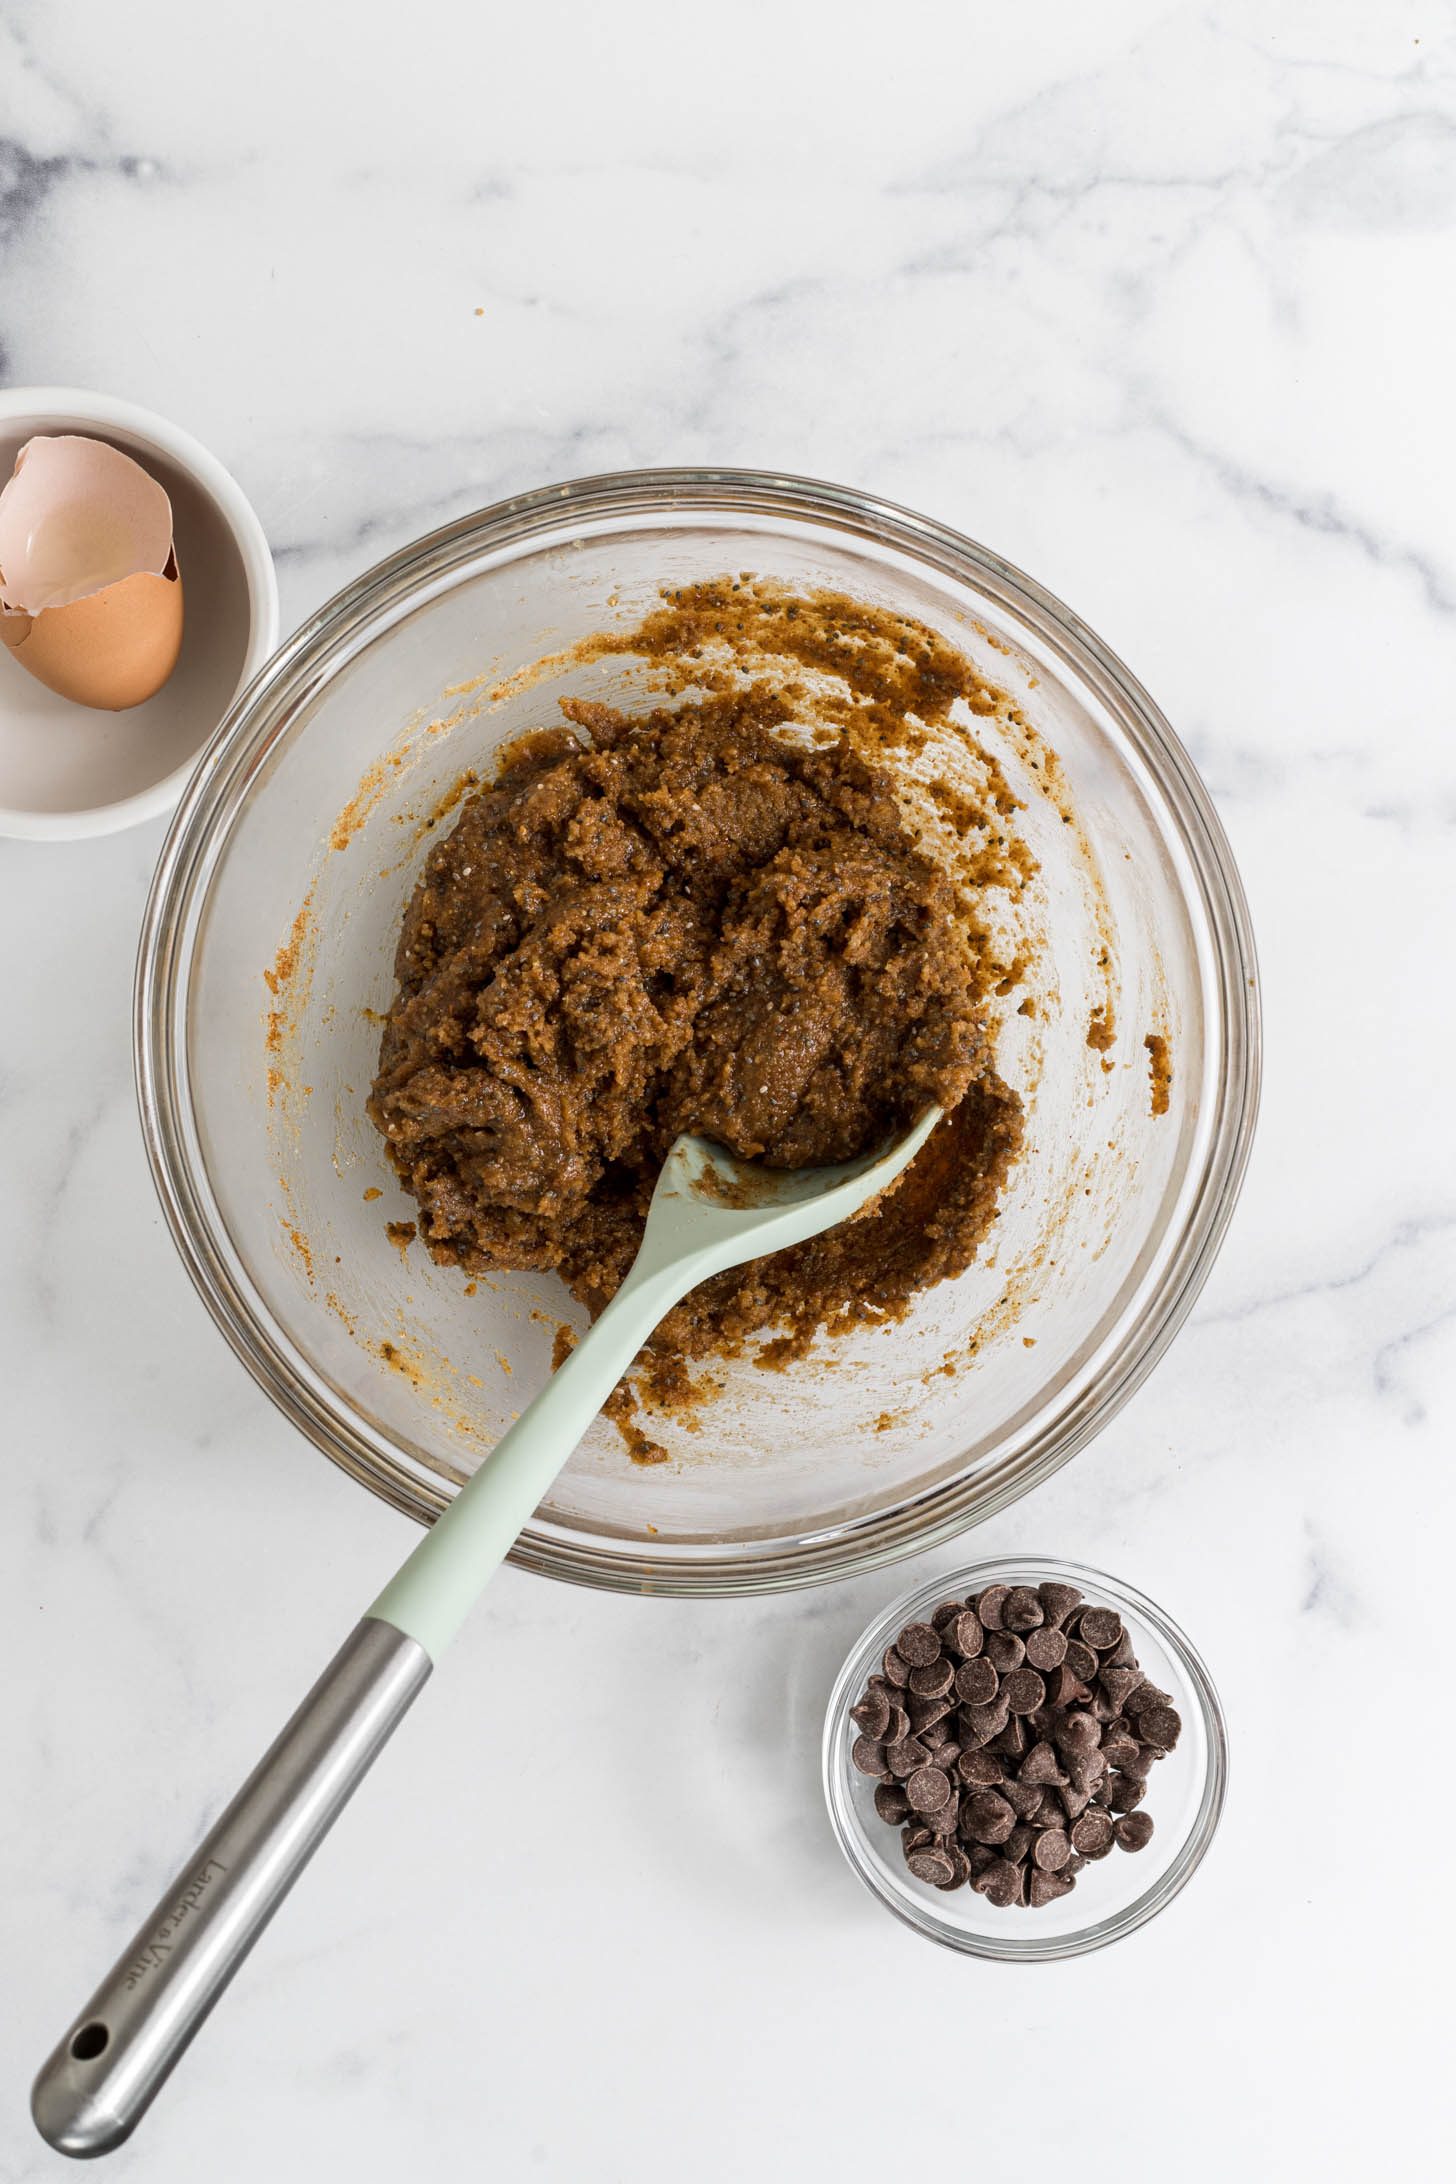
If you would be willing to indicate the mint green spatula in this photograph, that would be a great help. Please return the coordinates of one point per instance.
(709, 1212)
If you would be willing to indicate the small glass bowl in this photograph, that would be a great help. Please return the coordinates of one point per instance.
(1113, 1895)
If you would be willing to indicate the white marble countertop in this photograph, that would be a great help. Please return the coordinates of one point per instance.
(1155, 300)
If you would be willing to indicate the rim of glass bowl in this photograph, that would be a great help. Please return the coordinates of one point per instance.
(317, 651)
(1016, 1946)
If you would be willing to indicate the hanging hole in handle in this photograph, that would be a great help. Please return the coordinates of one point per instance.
(90, 2042)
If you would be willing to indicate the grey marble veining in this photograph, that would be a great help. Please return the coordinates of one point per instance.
(1156, 301)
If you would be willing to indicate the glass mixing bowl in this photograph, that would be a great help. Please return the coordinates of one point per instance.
(266, 963)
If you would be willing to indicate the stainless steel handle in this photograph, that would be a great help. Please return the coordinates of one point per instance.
(113, 2061)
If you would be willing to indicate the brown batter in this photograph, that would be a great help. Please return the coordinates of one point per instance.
(689, 922)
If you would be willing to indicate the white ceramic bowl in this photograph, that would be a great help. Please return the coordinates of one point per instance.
(66, 771)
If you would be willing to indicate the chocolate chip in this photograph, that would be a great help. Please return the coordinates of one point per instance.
(946, 1613)
(933, 1735)
(1081, 1660)
(1013, 1740)
(1118, 1748)
(1074, 1799)
(873, 1716)
(978, 1857)
(1085, 1770)
(976, 1681)
(999, 1884)
(1134, 1831)
(1044, 1888)
(891, 1803)
(979, 1770)
(960, 1868)
(1096, 1627)
(1160, 1726)
(1024, 1798)
(1125, 1792)
(1057, 1601)
(869, 1756)
(931, 1865)
(1022, 1610)
(919, 1644)
(1053, 1849)
(925, 1711)
(1040, 1765)
(1092, 1835)
(1046, 1650)
(965, 1634)
(897, 1670)
(1119, 1684)
(989, 1606)
(1004, 1650)
(917, 1836)
(897, 1727)
(1122, 1655)
(1018, 1843)
(1023, 1690)
(1066, 1690)
(928, 1789)
(988, 1721)
(1077, 1732)
(989, 1818)
(934, 1680)
(944, 1821)
(1147, 1696)
(903, 1758)
(946, 1755)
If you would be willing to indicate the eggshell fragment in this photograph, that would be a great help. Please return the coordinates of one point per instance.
(90, 593)
(111, 651)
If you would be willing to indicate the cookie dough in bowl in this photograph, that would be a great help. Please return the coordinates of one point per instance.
(1028, 876)
(692, 922)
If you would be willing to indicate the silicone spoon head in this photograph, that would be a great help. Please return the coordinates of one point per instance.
(710, 1207)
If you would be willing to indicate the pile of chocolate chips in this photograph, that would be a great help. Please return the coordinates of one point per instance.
(1012, 1737)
